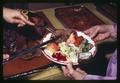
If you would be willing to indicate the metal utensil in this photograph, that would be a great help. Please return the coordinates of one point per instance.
(29, 50)
(24, 13)
(45, 26)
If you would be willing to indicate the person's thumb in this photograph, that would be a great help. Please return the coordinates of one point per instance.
(70, 68)
(95, 32)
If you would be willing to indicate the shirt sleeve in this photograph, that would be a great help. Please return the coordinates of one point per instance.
(111, 73)
(97, 77)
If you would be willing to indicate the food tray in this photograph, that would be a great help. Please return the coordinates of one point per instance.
(77, 17)
(21, 67)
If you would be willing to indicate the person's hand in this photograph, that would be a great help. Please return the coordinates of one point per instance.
(77, 73)
(101, 32)
(14, 16)
(6, 56)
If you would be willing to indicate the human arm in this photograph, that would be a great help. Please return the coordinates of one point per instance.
(14, 16)
(101, 32)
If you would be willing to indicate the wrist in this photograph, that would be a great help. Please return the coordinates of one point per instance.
(84, 76)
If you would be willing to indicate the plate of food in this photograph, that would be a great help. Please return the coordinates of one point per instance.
(75, 47)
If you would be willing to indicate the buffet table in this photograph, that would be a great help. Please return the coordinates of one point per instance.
(49, 70)
(56, 73)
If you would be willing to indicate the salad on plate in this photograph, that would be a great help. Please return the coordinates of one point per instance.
(78, 46)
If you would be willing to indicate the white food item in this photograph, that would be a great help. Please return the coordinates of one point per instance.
(48, 36)
(85, 55)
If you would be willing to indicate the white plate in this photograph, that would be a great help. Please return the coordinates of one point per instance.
(49, 55)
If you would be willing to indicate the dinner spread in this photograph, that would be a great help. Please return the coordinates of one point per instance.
(74, 48)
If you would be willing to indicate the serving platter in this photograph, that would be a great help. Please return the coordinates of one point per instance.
(22, 66)
(77, 17)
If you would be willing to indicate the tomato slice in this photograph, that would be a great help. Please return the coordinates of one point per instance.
(59, 57)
